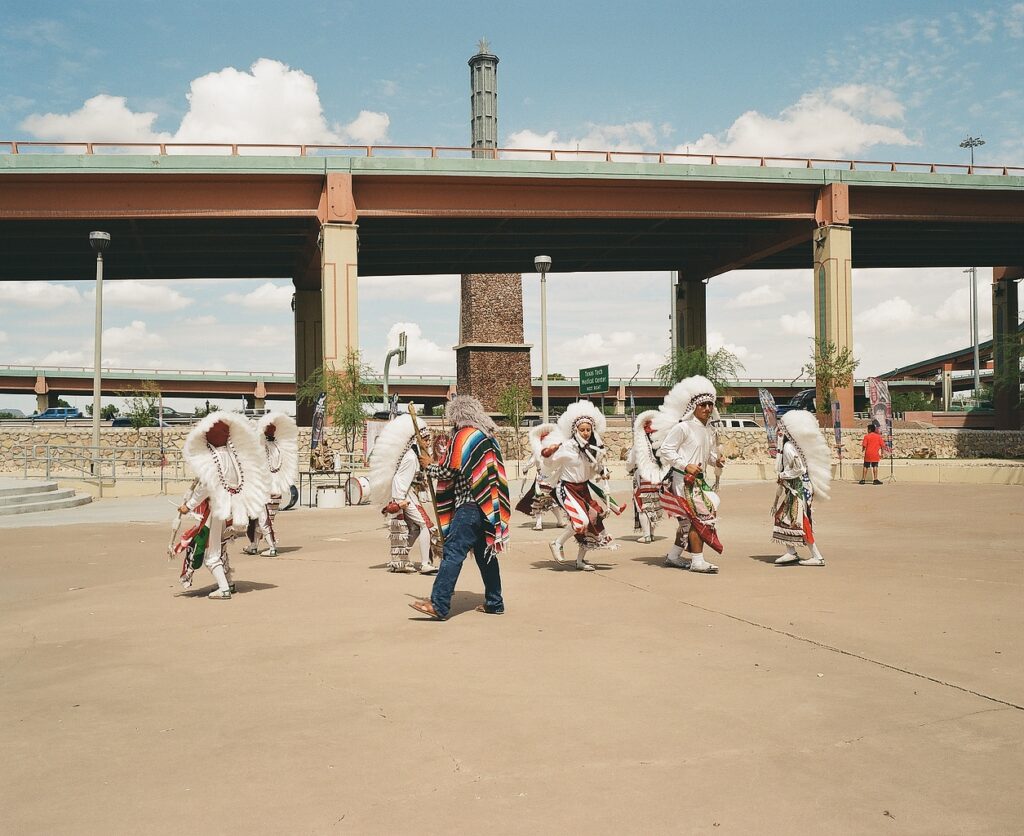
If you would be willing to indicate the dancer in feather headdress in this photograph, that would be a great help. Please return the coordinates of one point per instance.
(688, 449)
(804, 468)
(472, 506)
(279, 437)
(538, 499)
(395, 484)
(225, 455)
(646, 494)
(574, 456)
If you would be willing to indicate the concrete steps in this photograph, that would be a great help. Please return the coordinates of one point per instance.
(22, 497)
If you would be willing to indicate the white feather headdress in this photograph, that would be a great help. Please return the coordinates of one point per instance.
(389, 448)
(539, 440)
(244, 447)
(647, 465)
(680, 402)
(579, 411)
(286, 437)
(801, 428)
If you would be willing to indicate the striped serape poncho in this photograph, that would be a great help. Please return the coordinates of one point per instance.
(477, 457)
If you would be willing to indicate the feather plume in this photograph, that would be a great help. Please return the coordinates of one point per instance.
(255, 488)
(286, 437)
(802, 429)
(388, 449)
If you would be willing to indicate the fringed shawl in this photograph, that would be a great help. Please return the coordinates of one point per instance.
(478, 458)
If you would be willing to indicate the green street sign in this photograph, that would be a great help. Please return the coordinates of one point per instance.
(594, 381)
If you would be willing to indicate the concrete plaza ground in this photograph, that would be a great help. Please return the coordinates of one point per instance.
(883, 693)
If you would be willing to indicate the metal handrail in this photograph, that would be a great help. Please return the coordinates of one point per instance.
(104, 463)
(235, 149)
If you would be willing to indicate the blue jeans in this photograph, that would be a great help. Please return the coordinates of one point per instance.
(466, 532)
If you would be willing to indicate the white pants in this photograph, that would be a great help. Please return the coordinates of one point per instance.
(215, 559)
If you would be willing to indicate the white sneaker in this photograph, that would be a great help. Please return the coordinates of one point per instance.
(703, 567)
(583, 566)
(249, 550)
(428, 569)
(556, 551)
(269, 553)
(538, 526)
(646, 540)
(220, 594)
(788, 557)
(678, 562)
(812, 561)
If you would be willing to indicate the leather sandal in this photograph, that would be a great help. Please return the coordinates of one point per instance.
(427, 608)
(483, 608)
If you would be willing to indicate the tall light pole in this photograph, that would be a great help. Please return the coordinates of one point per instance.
(99, 241)
(974, 327)
(972, 142)
(543, 264)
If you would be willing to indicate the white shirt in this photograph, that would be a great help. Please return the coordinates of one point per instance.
(789, 464)
(572, 466)
(688, 442)
(404, 474)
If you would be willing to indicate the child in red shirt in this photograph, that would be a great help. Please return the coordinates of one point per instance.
(874, 446)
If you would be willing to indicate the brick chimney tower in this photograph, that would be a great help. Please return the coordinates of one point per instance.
(491, 354)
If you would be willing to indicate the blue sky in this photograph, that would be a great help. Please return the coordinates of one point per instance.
(872, 80)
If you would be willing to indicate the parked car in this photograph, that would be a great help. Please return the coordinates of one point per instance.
(58, 413)
(125, 421)
(738, 424)
(804, 399)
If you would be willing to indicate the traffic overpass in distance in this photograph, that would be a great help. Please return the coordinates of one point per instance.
(48, 383)
(322, 216)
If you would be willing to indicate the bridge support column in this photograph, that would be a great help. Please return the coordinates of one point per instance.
(833, 300)
(691, 314)
(309, 344)
(1006, 347)
(339, 274)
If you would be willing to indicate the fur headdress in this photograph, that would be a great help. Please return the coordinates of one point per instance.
(246, 499)
(649, 468)
(801, 428)
(680, 402)
(286, 437)
(391, 445)
(467, 411)
(539, 439)
(578, 412)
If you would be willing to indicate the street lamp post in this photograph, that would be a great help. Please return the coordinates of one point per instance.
(972, 142)
(99, 241)
(974, 327)
(543, 264)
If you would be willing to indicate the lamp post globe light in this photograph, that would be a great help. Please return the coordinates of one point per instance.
(99, 241)
(972, 142)
(543, 264)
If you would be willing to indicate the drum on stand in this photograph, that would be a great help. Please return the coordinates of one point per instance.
(357, 490)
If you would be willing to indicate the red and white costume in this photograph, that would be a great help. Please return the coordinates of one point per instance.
(279, 437)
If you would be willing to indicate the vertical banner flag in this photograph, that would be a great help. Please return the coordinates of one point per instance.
(317, 430)
(768, 410)
(881, 406)
(837, 426)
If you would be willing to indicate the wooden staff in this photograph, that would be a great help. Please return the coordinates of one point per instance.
(430, 484)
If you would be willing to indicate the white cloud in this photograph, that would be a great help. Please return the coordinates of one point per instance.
(757, 297)
(831, 123)
(204, 321)
(715, 341)
(129, 342)
(268, 296)
(800, 324)
(368, 128)
(1015, 21)
(146, 296)
(39, 294)
(266, 336)
(269, 103)
(100, 118)
(430, 289)
(63, 358)
(3, 336)
(955, 310)
(892, 314)
(424, 356)
(633, 136)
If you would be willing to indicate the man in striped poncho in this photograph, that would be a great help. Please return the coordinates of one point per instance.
(472, 506)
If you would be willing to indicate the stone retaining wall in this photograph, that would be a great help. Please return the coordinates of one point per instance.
(738, 445)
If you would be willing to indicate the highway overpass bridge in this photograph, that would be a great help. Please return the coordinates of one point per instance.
(322, 216)
(53, 382)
